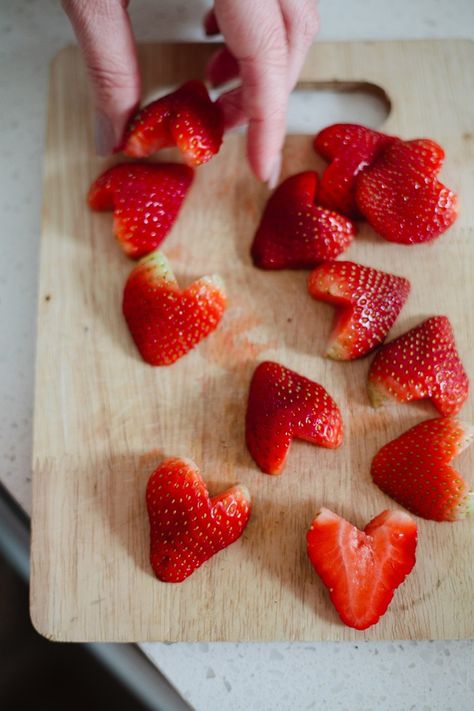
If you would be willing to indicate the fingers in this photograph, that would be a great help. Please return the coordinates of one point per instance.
(301, 22)
(255, 35)
(222, 67)
(105, 36)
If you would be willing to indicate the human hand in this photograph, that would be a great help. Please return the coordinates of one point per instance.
(266, 42)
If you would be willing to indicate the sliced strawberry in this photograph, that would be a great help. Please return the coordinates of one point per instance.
(283, 406)
(422, 363)
(362, 569)
(186, 118)
(415, 470)
(146, 199)
(187, 527)
(350, 148)
(400, 195)
(295, 233)
(368, 302)
(165, 321)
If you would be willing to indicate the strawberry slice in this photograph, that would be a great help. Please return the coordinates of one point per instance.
(282, 406)
(350, 148)
(362, 569)
(186, 118)
(368, 302)
(400, 195)
(187, 527)
(165, 321)
(415, 470)
(295, 233)
(422, 363)
(146, 200)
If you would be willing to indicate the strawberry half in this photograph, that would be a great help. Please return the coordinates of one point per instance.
(350, 148)
(422, 363)
(415, 470)
(165, 321)
(282, 406)
(400, 195)
(146, 200)
(295, 233)
(186, 118)
(362, 569)
(187, 527)
(368, 302)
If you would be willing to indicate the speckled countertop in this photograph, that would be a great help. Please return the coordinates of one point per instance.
(426, 676)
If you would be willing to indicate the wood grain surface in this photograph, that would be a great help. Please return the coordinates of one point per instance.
(104, 419)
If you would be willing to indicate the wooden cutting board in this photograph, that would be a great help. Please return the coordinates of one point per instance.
(104, 419)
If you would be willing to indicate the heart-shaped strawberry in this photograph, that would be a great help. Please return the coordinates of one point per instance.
(282, 406)
(422, 363)
(165, 321)
(145, 198)
(400, 195)
(350, 148)
(186, 118)
(294, 233)
(187, 527)
(415, 469)
(362, 569)
(367, 300)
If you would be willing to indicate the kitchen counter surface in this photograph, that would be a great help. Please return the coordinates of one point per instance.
(425, 676)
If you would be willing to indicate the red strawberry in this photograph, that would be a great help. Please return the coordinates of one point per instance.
(282, 406)
(187, 527)
(294, 232)
(362, 569)
(186, 118)
(165, 321)
(146, 199)
(400, 195)
(414, 469)
(350, 148)
(368, 302)
(422, 363)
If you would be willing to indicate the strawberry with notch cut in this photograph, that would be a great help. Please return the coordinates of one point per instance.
(282, 406)
(415, 470)
(186, 118)
(362, 569)
(145, 198)
(187, 526)
(367, 303)
(400, 196)
(422, 363)
(164, 320)
(349, 148)
(294, 233)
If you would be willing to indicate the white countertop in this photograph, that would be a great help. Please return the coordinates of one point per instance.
(425, 676)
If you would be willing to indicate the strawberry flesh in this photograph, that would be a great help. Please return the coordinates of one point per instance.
(422, 363)
(350, 148)
(294, 233)
(282, 406)
(186, 118)
(367, 304)
(415, 470)
(164, 320)
(145, 198)
(400, 195)
(362, 569)
(187, 527)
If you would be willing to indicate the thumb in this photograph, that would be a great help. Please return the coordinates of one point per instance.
(105, 36)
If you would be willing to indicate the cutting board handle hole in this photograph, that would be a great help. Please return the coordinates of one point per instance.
(314, 105)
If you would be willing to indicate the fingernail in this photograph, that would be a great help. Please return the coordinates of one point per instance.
(274, 173)
(104, 135)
